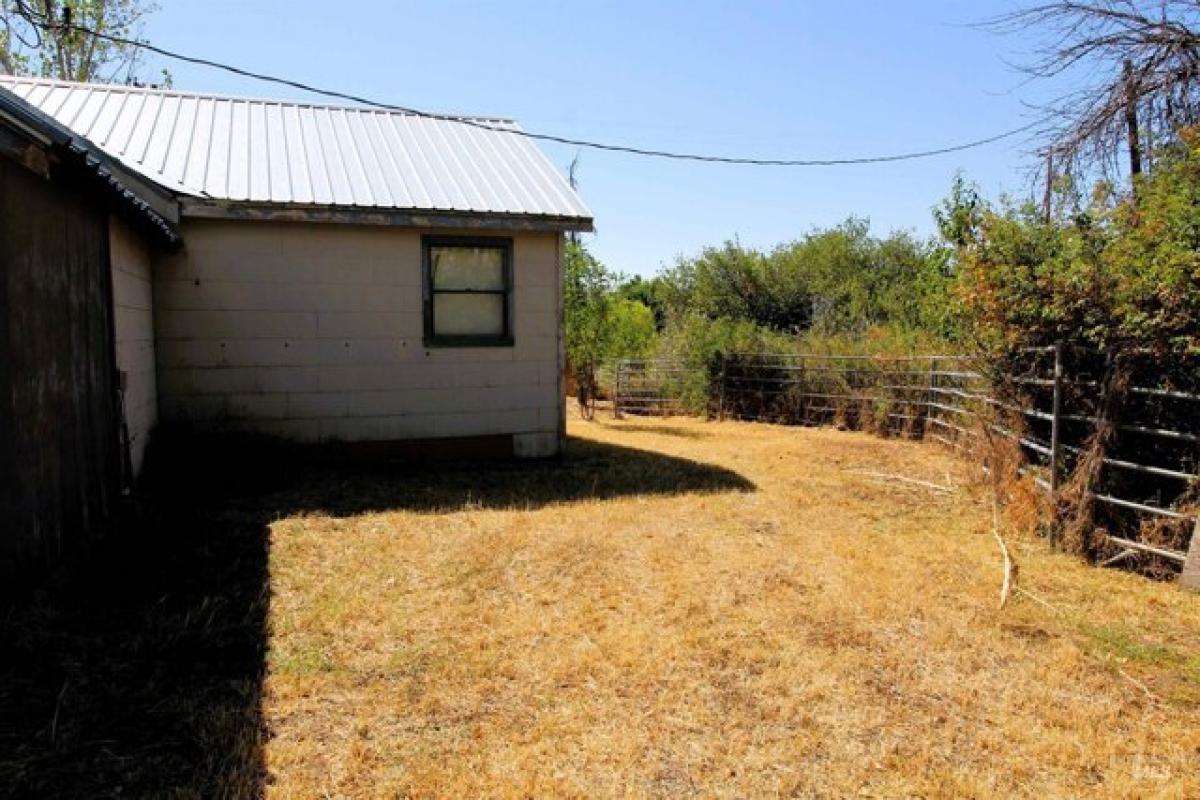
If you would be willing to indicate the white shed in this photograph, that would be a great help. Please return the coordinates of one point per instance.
(346, 274)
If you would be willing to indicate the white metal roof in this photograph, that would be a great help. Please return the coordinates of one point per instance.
(275, 152)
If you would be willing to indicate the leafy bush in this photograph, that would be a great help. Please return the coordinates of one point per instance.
(1156, 254)
(836, 281)
(601, 326)
(1121, 274)
(1117, 279)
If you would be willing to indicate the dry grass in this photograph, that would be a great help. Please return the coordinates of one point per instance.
(722, 609)
(676, 608)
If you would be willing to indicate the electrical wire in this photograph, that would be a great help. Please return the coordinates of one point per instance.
(543, 137)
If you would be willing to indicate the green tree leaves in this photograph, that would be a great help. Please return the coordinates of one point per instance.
(1117, 274)
(601, 324)
(34, 39)
(839, 281)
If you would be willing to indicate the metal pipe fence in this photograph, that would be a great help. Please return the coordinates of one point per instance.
(1050, 411)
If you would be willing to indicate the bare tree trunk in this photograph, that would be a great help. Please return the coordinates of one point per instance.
(585, 380)
(1048, 198)
(1131, 121)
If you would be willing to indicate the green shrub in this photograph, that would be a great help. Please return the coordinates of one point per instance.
(1121, 274)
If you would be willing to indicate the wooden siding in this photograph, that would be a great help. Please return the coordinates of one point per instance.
(59, 456)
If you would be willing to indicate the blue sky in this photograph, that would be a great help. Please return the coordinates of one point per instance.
(779, 80)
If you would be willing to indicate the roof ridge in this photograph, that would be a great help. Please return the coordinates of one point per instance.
(172, 92)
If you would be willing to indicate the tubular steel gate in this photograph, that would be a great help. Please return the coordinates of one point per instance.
(1050, 410)
(650, 387)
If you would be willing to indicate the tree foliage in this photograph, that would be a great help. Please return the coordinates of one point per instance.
(48, 38)
(735, 282)
(601, 324)
(656, 294)
(841, 280)
(1119, 274)
(1157, 245)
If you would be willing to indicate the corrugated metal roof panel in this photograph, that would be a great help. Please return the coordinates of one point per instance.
(262, 151)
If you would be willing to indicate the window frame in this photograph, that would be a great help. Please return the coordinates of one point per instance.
(432, 338)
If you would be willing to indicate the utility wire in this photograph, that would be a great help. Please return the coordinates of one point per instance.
(543, 137)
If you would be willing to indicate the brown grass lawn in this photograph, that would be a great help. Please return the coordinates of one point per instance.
(676, 608)
(725, 609)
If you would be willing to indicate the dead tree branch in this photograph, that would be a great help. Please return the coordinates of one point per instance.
(1134, 67)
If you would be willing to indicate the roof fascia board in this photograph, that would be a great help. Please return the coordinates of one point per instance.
(199, 208)
(158, 198)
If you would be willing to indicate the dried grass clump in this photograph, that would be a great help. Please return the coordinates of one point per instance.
(994, 460)
(1169, 534)
(1077, 530)
(1173, 534)
(1027, 508)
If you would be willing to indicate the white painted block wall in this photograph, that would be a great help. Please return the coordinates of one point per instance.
(133, 320)
(314, 333)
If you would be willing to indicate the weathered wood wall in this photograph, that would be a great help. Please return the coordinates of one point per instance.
(59, 448)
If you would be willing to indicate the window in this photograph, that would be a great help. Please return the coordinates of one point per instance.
(467, 286)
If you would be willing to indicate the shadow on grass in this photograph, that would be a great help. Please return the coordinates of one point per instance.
(663, 430)
(140, 671)
(587, 471)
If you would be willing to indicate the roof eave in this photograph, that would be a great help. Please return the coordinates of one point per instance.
(208, 208)
(148, 202)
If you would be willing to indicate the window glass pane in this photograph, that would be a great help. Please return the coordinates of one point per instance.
(468, 315)
(479, 268)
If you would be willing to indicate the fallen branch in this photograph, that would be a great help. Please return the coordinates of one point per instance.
(57, 708)
(887, 476)
(1151, 696)
(1010, 569)
(1041, 600)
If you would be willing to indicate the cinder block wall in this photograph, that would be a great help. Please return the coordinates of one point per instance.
(315, 333)
(133, 320)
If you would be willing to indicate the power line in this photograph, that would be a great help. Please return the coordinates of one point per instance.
(544, 137)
